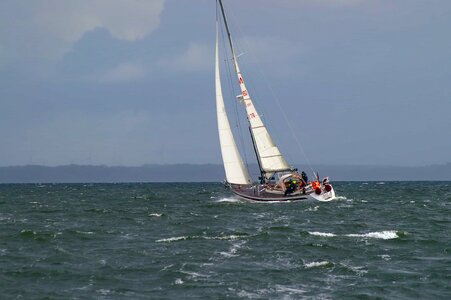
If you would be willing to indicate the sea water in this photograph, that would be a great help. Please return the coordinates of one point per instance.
(386, 240)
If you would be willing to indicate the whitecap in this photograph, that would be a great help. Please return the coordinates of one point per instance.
(194, 274)
(167, 267)
(84, 232)
(228, 200)
(281, 288)
(325, 234)
(359, 270)
(249, 295)
(104, 291)
(317, 264)
(172, 239)
(227, 237)
(233, 250)
(180, 238)
(384, 235)
(178, 281)
(385, 256)
(228, 254)
(315, 208)
(155, 215)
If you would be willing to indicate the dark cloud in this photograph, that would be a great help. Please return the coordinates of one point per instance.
(362, 82)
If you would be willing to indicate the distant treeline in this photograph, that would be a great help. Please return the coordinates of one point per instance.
(207, 173)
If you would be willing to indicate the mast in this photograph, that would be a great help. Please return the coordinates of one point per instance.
(268, 155)
(229, 36)
(236, 172)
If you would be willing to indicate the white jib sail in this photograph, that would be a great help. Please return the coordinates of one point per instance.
(234, 167)
(271, 159)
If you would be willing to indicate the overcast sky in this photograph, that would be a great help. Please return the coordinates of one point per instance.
(128, 82)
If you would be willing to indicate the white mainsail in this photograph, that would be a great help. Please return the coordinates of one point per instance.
(270, 158)
(234, 167)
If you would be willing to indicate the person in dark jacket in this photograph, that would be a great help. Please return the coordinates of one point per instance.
(304, 177)
(291, 188)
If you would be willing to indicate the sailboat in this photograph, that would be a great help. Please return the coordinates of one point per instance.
(278, 180)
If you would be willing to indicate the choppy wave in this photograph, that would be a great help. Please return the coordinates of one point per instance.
(232, 200)
(173, 239)
(194, 237)
(290, 290)
(233, 250)
(384, 235)
(315, 208)
(155, 215)
(326, 234)
(316, 264)
(184, 244)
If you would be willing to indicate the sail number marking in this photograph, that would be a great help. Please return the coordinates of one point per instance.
(252, 115)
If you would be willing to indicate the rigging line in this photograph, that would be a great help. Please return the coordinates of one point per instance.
(273, 95)
(231, 92)
(250, 82)
(290, 125)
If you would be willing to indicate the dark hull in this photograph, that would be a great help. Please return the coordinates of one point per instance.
(251, 193)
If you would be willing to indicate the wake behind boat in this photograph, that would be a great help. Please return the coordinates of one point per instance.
(278, 180)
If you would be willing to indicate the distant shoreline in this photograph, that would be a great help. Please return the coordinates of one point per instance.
(206, 173)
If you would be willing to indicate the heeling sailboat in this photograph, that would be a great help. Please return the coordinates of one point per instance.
(278, 181)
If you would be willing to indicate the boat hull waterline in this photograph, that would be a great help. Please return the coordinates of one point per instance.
(259, 194)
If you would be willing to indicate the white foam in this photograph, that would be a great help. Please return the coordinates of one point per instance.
(181, 238)
(360, 270)
(172, 239)
(281, 288)
(167, 267)
(84, 232)
(228, 254)
(384, 235)
(194, 274)
(326, 234)
(178, 281)
(228, 200)
(312, 208)
(104, 292)
(155, 215)
(317, 264)
(385, 256)
(227, 237)
(233, 250)
(248, 295)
